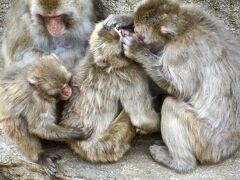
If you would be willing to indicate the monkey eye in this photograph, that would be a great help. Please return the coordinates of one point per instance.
(40, 18)
(70, 80)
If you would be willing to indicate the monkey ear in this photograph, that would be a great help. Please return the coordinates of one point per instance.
(169, 31)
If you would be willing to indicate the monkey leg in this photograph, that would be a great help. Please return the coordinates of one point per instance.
(112, 145)
(17, 130)
(221, 146)
(180, 131)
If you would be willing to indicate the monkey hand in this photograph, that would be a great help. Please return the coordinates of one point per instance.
(118, 21)
(80, 133)
(133, 48)
(48, 163)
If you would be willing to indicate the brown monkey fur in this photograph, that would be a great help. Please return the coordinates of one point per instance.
(103, 80)
(195, 60)
(28, 94)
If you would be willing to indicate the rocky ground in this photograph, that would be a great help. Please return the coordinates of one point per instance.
(137, 164)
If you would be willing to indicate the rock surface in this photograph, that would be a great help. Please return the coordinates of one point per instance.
(137, 164)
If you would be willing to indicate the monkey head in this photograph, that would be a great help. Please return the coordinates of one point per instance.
(50, 78)
(106, 47)
(55, 16)
(159, 21)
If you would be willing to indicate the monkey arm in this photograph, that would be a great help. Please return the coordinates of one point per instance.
(137, 102)
(118, 21)
(44, 127)
(153, 64)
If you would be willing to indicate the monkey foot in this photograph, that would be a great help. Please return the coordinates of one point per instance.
(162, 156)
(159, 143)
(47, 163)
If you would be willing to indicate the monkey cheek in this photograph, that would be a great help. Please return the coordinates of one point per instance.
(66, 93)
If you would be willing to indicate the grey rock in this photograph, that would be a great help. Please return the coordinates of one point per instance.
(137, 164)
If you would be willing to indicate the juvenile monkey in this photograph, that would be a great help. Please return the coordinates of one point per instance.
(104, 80)
(55, 26)
(196, 61)
(28, 94)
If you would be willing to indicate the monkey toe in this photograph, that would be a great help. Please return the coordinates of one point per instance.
(83, 133)
(47, 163)
(55, 157)
(160, 154)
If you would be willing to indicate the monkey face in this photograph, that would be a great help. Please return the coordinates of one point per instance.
(156, 21)
(48, 76)
(106, 47)
(54, 16)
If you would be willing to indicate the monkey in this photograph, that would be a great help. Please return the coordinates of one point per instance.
(28, 96)
(55, 26)
(104, 81)
(191, 56)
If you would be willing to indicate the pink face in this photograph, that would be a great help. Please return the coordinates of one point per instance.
(65, 93)
(55, 24)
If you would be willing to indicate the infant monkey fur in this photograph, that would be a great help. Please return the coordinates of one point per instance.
(28, 94)
(105, 79)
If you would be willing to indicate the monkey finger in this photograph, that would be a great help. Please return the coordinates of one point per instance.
(83, 133)
(110, 22)
(55, 157)
(127, 40)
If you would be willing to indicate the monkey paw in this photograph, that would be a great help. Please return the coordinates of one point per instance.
(47, 163)
(132, 48)
(160, 154)
(117, 21)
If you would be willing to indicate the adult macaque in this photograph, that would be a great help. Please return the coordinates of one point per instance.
(196, 61)
(56, 26)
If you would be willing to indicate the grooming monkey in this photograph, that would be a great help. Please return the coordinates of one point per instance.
(28, 94)
(55, 26)
(197, 62)
(104, 80)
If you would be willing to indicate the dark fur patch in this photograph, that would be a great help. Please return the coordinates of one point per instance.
(49, 5)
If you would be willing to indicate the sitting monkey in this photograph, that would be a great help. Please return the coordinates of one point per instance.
(104, 80)
(28, 95)
(192, 57)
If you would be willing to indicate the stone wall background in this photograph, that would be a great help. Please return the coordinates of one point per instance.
(226, 10)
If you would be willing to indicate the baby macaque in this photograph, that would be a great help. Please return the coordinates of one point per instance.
(196, 61)
(104, 81)
(28, 94)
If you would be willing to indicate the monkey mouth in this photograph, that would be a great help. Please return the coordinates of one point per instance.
(123, 32)
(55, 24)
(66, 93)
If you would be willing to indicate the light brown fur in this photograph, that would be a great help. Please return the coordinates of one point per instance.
(28, 95)
(103, 80)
